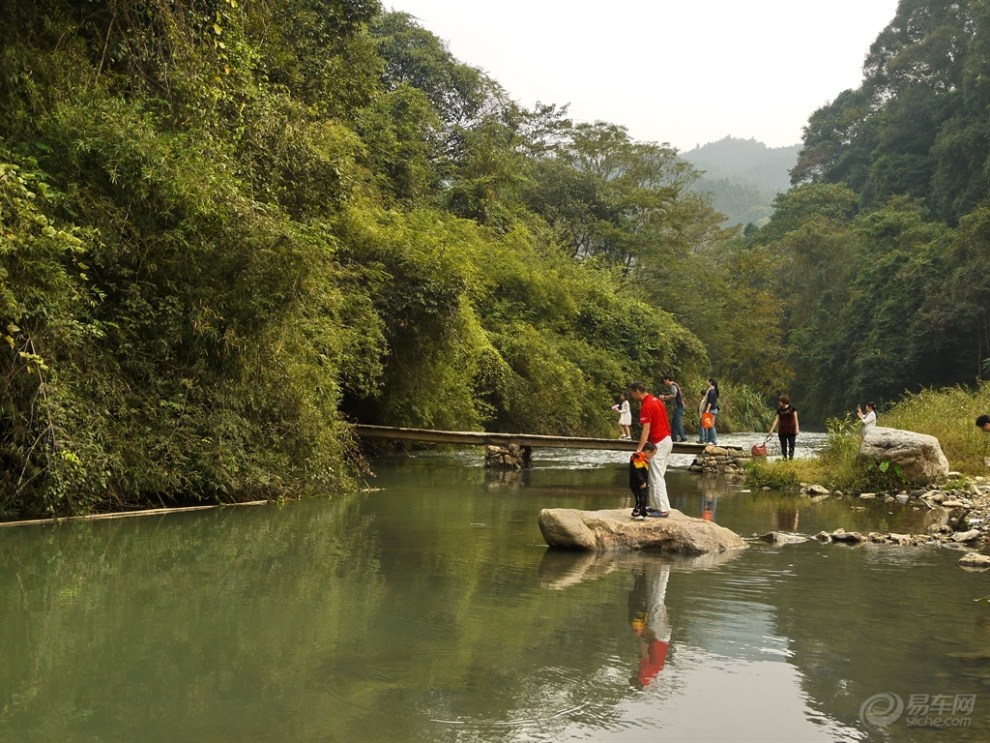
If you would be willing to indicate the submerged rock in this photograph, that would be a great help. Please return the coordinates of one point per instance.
(779, 537)
(975, 560)
(853, 537)
(601, 531)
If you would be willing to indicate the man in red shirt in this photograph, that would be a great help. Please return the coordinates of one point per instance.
(656, 430)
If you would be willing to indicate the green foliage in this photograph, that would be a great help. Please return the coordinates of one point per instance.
(948, 414)
(878, 303)
(839, 462)
(779, 474)
(44, 299)
(622, 201)
(841, 468)
(884, 244)
(229, 226)
(529, 341)
(741, 202)
(196, 350)
(916, 126)
(743, 408)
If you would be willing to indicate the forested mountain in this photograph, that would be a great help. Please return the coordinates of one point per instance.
(884, 243)
(742, 203)
(227, 228)
(742, 177)
(745, 160)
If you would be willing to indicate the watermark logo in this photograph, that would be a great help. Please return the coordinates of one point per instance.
(921, 711)
(881, 710)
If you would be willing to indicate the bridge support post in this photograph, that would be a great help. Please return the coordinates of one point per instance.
(511, 457)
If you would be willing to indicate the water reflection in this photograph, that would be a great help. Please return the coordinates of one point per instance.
(648, 620)
(706, 660)
(560, 569)
(431, 610)
(785, 518)
(709, 504)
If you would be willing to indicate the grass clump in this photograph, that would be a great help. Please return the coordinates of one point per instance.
(782, 474)
(838, 467)
(949, 415)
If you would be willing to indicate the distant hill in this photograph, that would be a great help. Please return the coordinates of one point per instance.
(743, 176)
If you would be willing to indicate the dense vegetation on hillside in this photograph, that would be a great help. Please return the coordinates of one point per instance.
(883, 246)
(227, 228)
(230, 227)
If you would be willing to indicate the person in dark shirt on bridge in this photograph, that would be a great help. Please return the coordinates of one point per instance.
(677, 396)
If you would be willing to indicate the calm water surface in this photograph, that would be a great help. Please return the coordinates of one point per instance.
(430, 610)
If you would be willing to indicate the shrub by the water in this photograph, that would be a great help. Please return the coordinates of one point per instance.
(781, 474)
(949, 415)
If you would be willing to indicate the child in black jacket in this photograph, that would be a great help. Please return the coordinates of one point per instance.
(639, 478)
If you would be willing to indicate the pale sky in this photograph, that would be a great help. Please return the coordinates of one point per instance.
(672, 71)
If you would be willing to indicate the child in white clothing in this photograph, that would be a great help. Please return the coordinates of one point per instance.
(625, 416)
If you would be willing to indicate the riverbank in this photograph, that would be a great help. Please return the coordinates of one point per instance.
(130, 514)
(958, 517)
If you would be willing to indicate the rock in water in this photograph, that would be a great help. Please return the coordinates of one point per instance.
(918, 455)
(967, 536)
(780, 537)
(600, 531)
(975, 560)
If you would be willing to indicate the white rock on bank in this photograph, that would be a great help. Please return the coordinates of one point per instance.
(918, 455)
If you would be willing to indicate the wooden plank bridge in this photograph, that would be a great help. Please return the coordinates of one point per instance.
(523, 440)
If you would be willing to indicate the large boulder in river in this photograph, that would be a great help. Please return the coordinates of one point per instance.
(600, 531)
(918, 455)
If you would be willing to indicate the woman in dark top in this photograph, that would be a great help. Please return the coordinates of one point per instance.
(708, 435)
(787, 426)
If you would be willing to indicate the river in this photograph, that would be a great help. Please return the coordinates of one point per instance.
(427, 608)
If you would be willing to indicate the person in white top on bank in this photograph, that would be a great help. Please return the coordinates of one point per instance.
(869, 418)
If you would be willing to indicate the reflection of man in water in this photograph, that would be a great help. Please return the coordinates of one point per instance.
(648, 619)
